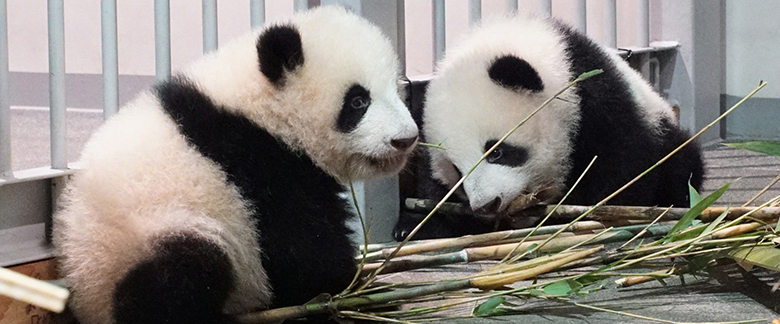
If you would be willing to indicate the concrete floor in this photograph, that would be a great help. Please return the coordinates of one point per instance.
(748, 171)
(728, 294)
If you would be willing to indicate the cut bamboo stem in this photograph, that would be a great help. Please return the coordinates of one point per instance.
(477, 240)
(499, 251)
(32, 291)
(619, 213)
(497, 281)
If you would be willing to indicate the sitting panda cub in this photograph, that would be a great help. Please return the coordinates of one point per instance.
(496, 77)
(219, 192)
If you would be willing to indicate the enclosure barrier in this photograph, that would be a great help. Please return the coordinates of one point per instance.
(51, 177)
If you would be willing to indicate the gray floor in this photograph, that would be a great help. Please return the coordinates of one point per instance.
(729, 294)
(749, 172)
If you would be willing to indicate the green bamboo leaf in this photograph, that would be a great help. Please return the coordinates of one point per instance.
(763, 256)
(489, 306)
(563, 287)
(689, 233)
(770, 148)
(693, 195)
(715, 223)
(588, 75)
(694, 212)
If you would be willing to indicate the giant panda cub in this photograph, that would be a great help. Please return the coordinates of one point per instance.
(220, 191)
(500, 73)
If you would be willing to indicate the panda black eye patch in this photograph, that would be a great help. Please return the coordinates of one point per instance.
(356, 102)
(506, 154)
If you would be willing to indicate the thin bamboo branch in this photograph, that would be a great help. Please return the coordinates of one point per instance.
(457, 185)
(608, 213)
(497, 281)
(777, 178)
(551, 212)
(476, 240)
(643, 231)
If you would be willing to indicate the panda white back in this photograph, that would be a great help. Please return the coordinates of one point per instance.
(218, 193)
(503, 70)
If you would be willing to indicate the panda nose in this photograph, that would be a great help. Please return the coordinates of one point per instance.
(403, 143)
(490, 208)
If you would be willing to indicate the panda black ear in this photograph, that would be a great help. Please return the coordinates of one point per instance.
(279, 48)
(512, 72)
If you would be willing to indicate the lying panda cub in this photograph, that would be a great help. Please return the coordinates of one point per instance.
(219, 191)
(501, 72)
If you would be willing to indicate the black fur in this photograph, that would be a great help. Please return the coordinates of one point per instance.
(506, 154)
(512, 72)
(612, 128)
(356, 102)
(300, 215)
(186, 281)
(279, 48)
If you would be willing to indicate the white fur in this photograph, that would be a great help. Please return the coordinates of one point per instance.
(141, 179)
(654, 108)
(316, 88)
(464, 109)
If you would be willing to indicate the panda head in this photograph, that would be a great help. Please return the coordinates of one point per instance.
(497, 75)
(326, 84)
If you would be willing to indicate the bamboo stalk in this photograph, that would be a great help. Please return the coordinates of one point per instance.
(499, 251)
(618, 213)
(580, 78)
(478, 240)
(497, 281)
(635, 280)
(32, 291)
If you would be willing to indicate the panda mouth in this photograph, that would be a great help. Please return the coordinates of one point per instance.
(390, 162)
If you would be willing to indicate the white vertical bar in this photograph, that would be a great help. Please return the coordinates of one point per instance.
(5, 104)
(439, 31)
(301, 5)
(400, 15)
(511, 5)
(56, 13)
(581, 19)
(546, 6)
(210, 32)
(162, 39)
(256, 13)
(110, 58)
(610, 21)
(475, 11)
(643, 30)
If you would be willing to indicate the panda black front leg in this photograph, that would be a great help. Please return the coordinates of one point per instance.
(218, 193)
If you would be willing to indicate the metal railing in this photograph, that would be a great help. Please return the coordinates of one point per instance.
(162, 46)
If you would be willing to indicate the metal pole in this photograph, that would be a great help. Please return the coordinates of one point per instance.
(162, 39)
(511, 5)
(110, 58)
(611, 23)
(301, 5)
(643, 29)
(5, 104)
(56, 13)
(439, 36)
(210, 32)
(256, 13)
(582, 16)
(546, 6)
(475, 11)
(401, 27)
